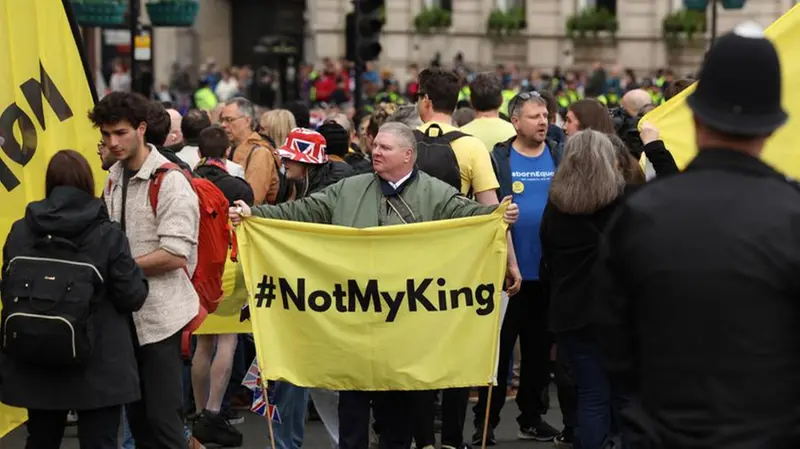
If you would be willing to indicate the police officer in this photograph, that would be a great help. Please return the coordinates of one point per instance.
(699, 282)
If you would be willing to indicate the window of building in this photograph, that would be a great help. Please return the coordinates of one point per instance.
(507, 5)
(447, 5)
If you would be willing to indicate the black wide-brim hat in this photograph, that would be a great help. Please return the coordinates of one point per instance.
(739, 90)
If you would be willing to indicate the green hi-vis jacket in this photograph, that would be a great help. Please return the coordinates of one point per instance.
(357, 202)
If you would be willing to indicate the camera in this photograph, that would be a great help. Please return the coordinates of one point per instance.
(627, 128)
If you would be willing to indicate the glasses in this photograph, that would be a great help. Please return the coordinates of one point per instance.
(522, 97)
(229, 120)
(100, 146)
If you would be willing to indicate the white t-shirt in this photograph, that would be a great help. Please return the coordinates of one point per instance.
(191, 155)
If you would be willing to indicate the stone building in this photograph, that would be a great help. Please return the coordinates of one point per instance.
(229, 30)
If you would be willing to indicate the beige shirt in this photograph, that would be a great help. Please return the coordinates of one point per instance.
(172, 301)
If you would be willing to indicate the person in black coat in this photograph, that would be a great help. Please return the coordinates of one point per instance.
(99, 386)
(583, 195)
(698, 274)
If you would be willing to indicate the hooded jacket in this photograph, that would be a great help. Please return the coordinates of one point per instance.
(110, 375)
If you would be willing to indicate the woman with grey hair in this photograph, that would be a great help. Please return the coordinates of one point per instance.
(584, 194)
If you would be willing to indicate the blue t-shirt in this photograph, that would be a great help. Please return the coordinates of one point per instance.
(530, 184)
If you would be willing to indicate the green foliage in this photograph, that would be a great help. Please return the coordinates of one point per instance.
(594, 21)
(505, 23)
(430, 20)
(686, 22)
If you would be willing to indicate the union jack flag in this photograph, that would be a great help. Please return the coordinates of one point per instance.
(252, 380)
(262, 407)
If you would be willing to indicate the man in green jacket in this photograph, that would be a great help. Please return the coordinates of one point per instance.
(395, 194)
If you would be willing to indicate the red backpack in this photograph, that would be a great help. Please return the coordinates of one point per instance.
(213, 241)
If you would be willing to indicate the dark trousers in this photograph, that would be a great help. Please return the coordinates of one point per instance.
(526, 318)
(156, 420)
(454, 414)
(599, 399)
(394, 409)
(97, 429)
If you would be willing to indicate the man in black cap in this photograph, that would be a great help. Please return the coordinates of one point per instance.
(700, 275)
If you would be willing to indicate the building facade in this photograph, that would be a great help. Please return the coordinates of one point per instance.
(226, 30)
(639, 42)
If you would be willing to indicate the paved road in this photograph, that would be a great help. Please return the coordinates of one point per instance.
(256, 433)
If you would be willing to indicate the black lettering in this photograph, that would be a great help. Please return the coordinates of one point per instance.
(394, 304)
(484, 295)
(370, 294)
(21, 154)
(266, 291)
(442, 300)
(417, 295)
(339, 294)
(299, 298)
(314, 305)
(454, 294)
(35, 90)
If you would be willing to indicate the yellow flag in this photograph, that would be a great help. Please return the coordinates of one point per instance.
(44, 98)
(409, 307)
(225, 320)
(674, 119)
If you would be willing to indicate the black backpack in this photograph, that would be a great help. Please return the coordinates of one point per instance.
(435, 155)
(49, 295)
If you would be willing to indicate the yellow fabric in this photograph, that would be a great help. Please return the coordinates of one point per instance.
(674, 119)
(345, 346)
(225, 320)
(473, 161)
(36, 37)
(490, 130)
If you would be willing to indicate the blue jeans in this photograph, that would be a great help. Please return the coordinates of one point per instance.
(292, 403)
(127, 436)
(599, 401)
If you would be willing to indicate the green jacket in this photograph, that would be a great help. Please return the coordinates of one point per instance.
(357, 202)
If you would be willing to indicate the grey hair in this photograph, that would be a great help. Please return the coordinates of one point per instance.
(407, 115)
(342, 120)
(246, 107)
(587, 178)
(403, 133)
(523, 98)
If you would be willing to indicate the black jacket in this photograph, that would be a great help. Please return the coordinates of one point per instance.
(234, 188)
(359, 162)
(173, 157)
(324, 175)
(110, 376)
(698, 294)
(501, 161)
(570, 245)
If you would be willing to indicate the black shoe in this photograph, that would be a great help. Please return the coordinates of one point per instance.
(538, 432)
(232, 416)
(213, 428)
(477, 438)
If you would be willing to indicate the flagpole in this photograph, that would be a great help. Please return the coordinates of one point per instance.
(269, 415)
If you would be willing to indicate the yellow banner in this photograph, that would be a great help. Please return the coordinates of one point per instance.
(225, 320)
(44, 99)
(674, 119)
(389, 308)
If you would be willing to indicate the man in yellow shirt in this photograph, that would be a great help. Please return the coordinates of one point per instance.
(486, 96)
(438, 96)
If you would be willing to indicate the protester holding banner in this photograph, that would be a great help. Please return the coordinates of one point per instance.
(712, 252)
(403, 195)
(67, 248)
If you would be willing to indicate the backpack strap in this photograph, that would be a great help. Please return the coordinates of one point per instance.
(156, 178)
(452, 135)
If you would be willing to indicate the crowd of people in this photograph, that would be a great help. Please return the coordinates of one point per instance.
(664, 312)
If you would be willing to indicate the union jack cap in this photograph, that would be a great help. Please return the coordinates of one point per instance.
(304, 145)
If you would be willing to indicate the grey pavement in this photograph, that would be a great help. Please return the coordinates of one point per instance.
(256, 431)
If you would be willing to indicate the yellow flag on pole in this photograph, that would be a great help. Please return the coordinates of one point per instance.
(45, 94)
(674, 119)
